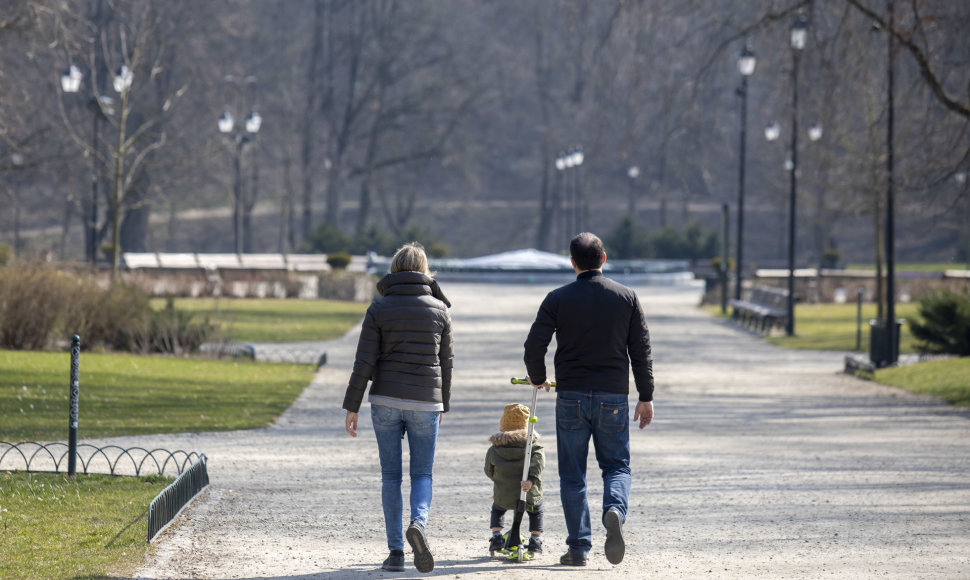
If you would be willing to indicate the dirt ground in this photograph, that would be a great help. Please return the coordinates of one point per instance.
(761, 463)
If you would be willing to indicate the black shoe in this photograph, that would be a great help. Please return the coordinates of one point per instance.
(497, 542)
(394, 562)
(615, 547)
(535, 544)
(571, 559)
(423, 560)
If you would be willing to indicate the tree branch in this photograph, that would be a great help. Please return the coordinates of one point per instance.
(921, 58)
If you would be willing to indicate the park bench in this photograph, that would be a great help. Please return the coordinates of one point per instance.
(764, 309)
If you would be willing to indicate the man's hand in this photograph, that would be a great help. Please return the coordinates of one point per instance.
(643, 413)
(526, 486)
(546, 385)
(351, 423)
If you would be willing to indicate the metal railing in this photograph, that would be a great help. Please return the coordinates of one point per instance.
(111, 459)
(167, 505)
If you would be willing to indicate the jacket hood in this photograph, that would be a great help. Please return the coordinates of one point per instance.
(512, 438)
(412, 279)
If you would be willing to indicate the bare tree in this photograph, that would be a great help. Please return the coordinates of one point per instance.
(128, 41)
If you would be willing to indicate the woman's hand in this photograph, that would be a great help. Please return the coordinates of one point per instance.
(351, 423)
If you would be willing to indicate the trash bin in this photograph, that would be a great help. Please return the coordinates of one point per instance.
(879, 353)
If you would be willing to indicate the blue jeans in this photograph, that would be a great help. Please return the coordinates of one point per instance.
(422, 431)
(605, 417)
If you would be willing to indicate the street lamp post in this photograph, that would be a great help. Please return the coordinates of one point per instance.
(563, 198)
(890, 204)
(239, 139)
(582, 216)
(71, 83)
(746, 64)
(633, 173)
(799, 35)
(576, 161)
(572, 212)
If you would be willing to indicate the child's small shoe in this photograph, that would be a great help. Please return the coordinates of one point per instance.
(535, 544)
(496, 543)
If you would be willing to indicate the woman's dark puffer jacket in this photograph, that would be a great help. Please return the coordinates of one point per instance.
(405, 344)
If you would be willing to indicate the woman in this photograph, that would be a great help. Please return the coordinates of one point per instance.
(405, 349)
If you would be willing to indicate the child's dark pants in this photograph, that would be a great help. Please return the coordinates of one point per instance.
(535, 517)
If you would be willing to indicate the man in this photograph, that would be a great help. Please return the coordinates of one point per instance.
(600, 331)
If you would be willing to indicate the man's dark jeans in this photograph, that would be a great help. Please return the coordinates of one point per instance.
(606, 418)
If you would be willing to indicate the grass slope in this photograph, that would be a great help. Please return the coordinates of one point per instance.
(947, 379)
(52, 526)
(122, 394)
(273, 320)
(833, 327)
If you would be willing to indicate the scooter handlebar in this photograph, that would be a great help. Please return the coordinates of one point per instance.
(517, 381)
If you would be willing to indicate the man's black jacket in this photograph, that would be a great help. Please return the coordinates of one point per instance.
(600, 331)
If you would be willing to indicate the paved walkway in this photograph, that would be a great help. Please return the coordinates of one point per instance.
(761, 463)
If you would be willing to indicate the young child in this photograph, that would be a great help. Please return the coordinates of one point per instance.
(503, 465)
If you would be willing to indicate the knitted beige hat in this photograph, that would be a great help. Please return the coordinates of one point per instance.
(514, 418)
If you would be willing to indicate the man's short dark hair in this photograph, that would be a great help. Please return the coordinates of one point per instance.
(587, 251)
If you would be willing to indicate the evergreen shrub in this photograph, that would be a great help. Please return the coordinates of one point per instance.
(944, 325)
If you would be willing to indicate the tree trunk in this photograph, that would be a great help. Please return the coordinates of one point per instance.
(134, 228)
(309, 116)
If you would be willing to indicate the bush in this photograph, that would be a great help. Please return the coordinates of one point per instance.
(328, 239)
(626, 242)
(6, 254)
(38, 304)
(338, 260)
(104, 316)
(831, 258)
(438, 250)
(31, 299)
(716, 264)
(170, 331)
(945, 323)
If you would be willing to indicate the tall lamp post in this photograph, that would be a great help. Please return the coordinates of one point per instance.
(799, 36)
(563, 198)
(746, 64)
(572, 212)
(100, 107)
(581, 211)
(633, 173)
(773, 132)
(890, 205)
(577, 157)
(239, 139)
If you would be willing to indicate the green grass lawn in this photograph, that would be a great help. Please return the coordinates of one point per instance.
(274, 320)
(833, 326)
(948, 379)
(915, 266)
(123, 394)
(52, 526)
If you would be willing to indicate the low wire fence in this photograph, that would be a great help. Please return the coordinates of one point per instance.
(189, 468)
(173, 498)
(111, 459)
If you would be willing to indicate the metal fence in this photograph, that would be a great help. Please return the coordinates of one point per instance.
(111, 459)
(173, 498)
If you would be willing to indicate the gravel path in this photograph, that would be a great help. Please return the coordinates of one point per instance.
(761, 463)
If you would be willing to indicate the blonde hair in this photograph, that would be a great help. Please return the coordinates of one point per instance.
(410, 258)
